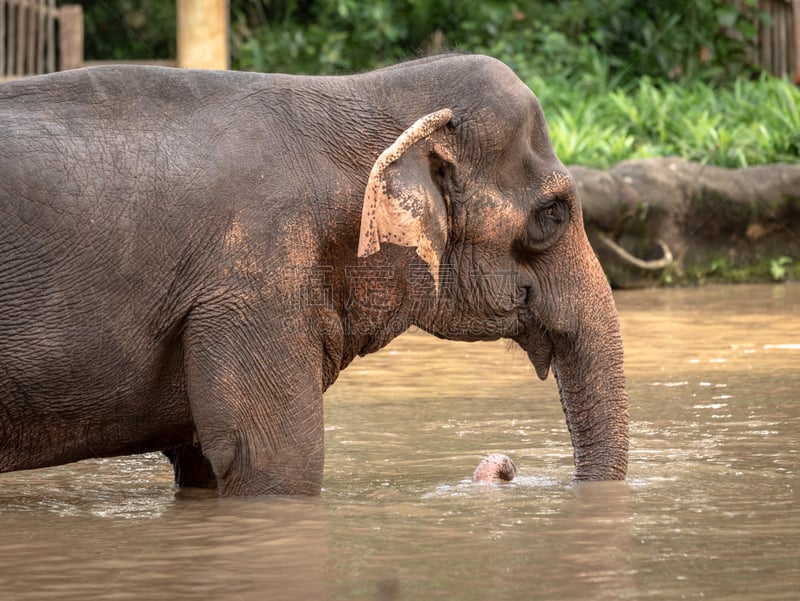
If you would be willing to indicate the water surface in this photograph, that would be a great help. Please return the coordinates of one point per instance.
(710, 510)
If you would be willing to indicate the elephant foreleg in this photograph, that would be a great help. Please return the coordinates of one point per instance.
(192, 469)
(257, 409)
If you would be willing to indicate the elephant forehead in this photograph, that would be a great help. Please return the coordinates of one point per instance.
(557, 183)
(492, 128)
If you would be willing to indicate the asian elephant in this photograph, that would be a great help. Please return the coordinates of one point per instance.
(189, 259)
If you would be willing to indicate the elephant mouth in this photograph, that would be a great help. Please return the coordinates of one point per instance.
(538, 344)
(533, 335)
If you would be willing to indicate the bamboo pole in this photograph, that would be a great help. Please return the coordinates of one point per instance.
(203, 34)
(70, 17)
(2, 38)
(30, 37)
(796, 15)
(51, 37)
(18, 32)
(40, 19)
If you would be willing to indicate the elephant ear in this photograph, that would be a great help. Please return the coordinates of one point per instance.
(402, 204)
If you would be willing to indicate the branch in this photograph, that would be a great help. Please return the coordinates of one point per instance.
(665, 261)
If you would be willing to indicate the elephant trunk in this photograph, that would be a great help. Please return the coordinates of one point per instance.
(591, 382)
(579, 338)
(587, 361)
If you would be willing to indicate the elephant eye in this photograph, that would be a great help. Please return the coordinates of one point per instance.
(545, 224)
(554, 211)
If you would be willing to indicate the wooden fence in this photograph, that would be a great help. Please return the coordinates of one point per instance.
(778, 43)
(38, 37)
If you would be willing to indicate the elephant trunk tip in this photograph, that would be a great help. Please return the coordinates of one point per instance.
(495, 468)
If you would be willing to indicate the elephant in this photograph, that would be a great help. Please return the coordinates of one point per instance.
(495, 468)
(190, 258)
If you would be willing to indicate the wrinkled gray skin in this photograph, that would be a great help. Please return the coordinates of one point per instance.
(184, 266)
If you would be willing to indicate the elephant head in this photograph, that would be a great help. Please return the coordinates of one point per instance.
(474, 186)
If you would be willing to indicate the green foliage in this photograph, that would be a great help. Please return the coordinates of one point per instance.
(599, 43)
(725, 271)
(748, 123)
(613, 41)
(128, 29)
(778, 268)
(618, 79)
(601, 68)
(334, 36)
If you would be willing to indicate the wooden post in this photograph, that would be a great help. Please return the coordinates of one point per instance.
(203, 34)
(30, 38)
(70, 22)
(2, 38)
(51, 37)
(41, 17)
(796, 15)
(19, 34)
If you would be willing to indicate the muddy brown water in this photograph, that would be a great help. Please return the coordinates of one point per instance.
(710, 510)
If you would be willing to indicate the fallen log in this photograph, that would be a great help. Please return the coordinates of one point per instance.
(667, 220)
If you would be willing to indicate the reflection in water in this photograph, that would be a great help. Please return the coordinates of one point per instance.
(201, 547)
(599, 546)
(709, 510)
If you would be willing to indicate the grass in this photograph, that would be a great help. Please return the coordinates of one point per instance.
(722, 271)
(746, 123)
